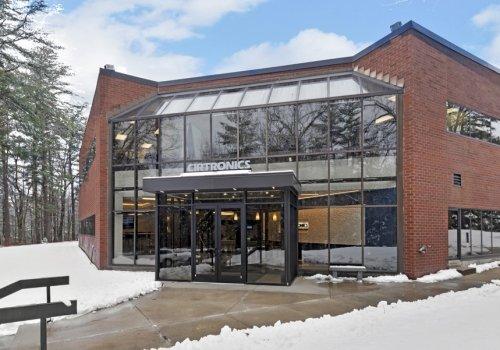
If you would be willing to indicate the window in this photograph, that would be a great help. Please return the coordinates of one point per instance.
(312, 89)
(252, 138)
(229, 99)
(495, 131)
(345, 124)
(281, 129)
(198, 137)
(172, 139)
(87, 226)
(203, 102)
(312, 127)
(381, 238)
(379, 122)
(469, 122)
(147, 133)
(345, 179)
(283, 93)
(123, 142)
(457, 179)
(224, 135)
(453, 234)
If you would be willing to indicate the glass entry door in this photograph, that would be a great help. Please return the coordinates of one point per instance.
(218, 242)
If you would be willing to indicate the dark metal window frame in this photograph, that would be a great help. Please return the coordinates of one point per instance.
(460, 255)
(467, 135)
(362, 150)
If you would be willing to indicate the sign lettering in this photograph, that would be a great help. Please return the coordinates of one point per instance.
(219, 166)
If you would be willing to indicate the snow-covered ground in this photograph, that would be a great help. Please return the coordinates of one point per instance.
(441, 322)
(92, 288)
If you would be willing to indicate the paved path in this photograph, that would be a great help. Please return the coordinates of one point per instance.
(181, 310)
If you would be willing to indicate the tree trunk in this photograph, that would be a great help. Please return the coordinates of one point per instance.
(5, 200)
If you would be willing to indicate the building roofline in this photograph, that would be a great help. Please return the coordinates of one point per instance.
(114, 74)
(410, 25)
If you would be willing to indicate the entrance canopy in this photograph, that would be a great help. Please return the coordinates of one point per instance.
(207, 181)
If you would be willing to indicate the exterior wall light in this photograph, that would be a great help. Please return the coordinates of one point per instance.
(423, 249)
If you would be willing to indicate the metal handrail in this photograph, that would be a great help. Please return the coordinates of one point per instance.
(36, 311)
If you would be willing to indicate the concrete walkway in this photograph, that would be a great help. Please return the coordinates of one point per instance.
(193, 310)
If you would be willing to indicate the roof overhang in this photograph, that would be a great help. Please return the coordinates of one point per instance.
(222, 180)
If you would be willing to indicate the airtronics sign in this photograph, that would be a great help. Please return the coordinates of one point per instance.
(219, 166)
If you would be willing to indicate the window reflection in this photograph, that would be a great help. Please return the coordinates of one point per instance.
(198, 137)
(345, 124)
(147, 132)
(123, 142)
(453, 234)
(281, 130)
(145, 242)
(224, 134)
(174, 234)
(312, 126)
(379, 119)
(345, 179)
(265, 244)
(172, 138)
(124, 225)
(252, 138)
(381, 238)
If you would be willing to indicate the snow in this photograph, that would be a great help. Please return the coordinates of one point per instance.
(440, 322)
(485, 267)
(442, 275)
(399, 278)
(92, 288)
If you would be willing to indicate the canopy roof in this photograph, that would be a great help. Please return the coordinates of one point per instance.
(349, 84)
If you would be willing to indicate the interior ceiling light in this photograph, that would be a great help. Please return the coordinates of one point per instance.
(384, 118)
(157, 131)
(121, 137)
(235, 217)
(275, 217)
(257, 216)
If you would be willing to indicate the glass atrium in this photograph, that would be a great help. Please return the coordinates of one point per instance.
(337, 133)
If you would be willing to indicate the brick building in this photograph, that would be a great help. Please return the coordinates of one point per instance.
(388, 159)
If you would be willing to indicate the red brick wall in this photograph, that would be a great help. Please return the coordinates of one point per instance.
(111, 93)
(430, 153)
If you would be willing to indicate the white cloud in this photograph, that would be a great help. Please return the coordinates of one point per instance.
(489, 18)
(307, 45)
(133, 35)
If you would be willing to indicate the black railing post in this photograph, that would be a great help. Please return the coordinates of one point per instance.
(43, 334)
(48, 294)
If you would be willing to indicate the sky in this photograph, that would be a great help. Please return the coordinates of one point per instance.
(170, 39)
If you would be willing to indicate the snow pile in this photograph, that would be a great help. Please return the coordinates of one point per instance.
(439, 276)
(441, 322)
(485, 267)
(93, 289)
(319, 278)
(442, 275)
(400, 278)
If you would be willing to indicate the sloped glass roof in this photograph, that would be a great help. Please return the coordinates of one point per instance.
(339, 85)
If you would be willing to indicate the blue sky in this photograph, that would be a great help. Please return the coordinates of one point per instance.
(166, 39)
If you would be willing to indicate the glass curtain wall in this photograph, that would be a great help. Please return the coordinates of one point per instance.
(479, 233)
(135, 156)
(342, 150)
